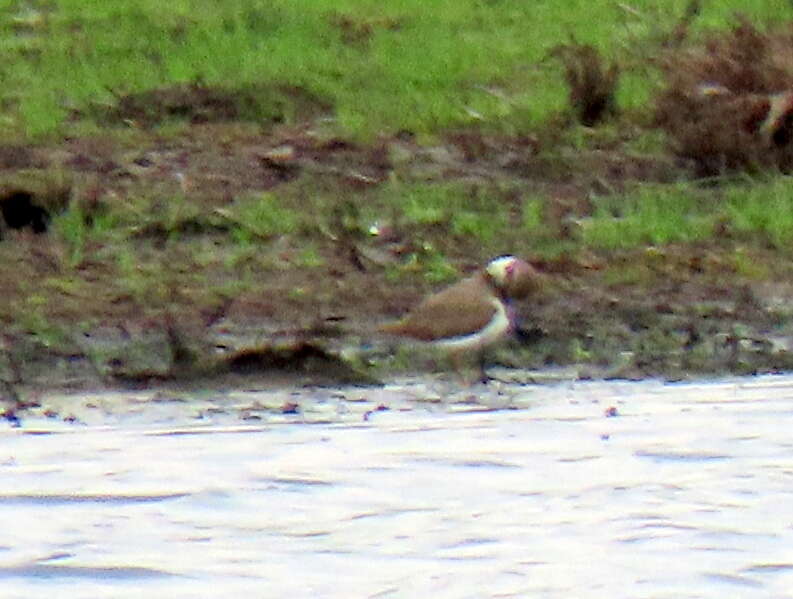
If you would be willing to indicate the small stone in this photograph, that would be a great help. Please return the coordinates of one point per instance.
(380, 408)
(290, 407)
(280, 154)
(11, 416)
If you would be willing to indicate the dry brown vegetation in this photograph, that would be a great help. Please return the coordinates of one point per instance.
(728, 102)
(592, 84)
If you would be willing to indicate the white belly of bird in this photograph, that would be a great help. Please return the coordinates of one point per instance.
(497, 328)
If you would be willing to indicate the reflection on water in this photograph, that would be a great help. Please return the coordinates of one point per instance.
(685, 493)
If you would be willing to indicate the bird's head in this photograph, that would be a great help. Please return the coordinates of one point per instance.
(514, 277)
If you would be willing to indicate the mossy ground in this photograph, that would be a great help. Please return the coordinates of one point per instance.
(264, 182)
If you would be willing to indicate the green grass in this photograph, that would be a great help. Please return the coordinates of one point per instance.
(432, 264)
(77, 232)
(381, 66)
(34, 320)
(467, 211)
(683, 213)
(650, 215)
(261, 217)
(309, 257)
(764, 208)
(748, 266)
(533, 215)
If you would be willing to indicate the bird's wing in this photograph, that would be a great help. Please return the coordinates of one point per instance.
(462, 309)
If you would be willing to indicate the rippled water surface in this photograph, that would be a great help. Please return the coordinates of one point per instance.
(527, 491)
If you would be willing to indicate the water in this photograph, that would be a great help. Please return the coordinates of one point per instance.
(686, 492)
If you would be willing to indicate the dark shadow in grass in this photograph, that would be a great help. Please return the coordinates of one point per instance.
(199, 103)
(19, 210)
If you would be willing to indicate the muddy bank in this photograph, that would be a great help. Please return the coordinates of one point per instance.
(184, 288)
(676, 324)
(183, 245)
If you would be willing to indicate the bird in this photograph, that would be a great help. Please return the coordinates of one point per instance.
(472, 314)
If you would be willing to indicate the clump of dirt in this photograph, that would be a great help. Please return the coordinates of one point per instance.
(200, 103)
(728, 102)
(356, 30)
(18, 156)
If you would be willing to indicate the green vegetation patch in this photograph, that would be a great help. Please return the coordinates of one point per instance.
(471, 211)
(650, 214)
(764, 208)
(260, 217)
(380, 67)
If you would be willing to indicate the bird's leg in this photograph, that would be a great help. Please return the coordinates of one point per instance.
(457, 358)
(480, 363)
(461, 366)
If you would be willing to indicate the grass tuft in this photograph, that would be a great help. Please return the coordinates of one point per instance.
(592, 84)
(468, 211)
(763, 208)
(261, 217)
(79, 232)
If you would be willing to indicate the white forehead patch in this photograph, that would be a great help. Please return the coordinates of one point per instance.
(498, 268)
